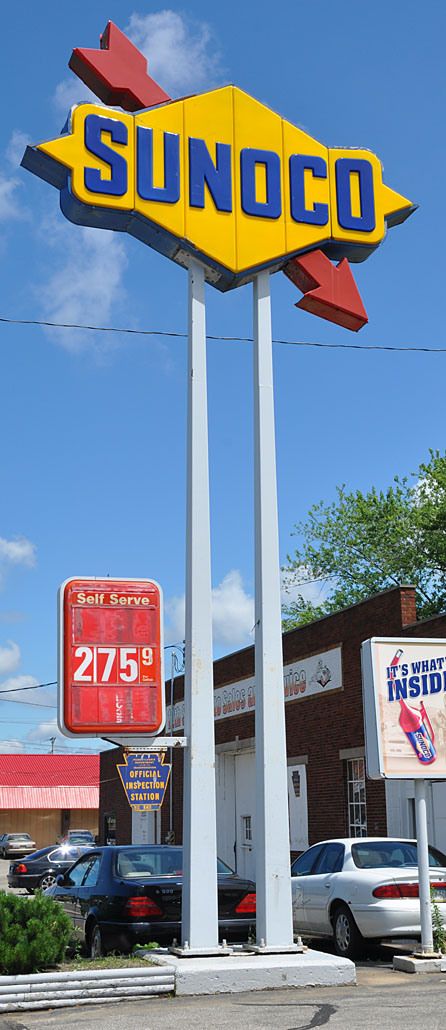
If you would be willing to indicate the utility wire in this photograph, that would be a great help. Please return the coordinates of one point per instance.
(226, 339)
(34, 686)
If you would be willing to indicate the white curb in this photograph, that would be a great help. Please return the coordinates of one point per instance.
(93, 986)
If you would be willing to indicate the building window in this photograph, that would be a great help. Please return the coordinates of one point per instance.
(246, 829)
(357, 808)
(110, 828)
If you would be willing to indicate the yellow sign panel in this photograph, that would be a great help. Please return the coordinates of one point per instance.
(221, 177)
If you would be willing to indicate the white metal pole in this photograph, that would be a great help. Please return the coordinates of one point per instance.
(427, 938)
(274, 912)
(199, 907)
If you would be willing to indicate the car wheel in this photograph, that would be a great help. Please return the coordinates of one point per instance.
(96, 947)
(47, 881)
(347, 938)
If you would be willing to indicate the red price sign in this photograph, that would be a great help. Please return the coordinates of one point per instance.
(111, 657)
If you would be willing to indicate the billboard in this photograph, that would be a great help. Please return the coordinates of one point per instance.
(111, 670)
(404, 691)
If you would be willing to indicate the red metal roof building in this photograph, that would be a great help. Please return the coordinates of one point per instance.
(46, 795)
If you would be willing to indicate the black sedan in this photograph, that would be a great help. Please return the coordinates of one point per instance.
(121, 896)
(41, 868)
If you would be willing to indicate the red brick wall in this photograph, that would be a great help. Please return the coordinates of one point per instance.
(112, 798)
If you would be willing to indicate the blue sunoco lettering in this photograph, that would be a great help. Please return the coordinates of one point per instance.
(345, 168)
(249, 159)
(299, 164)
(217, 177)
(170, 192)
(95, 125)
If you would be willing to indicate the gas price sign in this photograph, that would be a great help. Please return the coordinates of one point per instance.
(111, 677)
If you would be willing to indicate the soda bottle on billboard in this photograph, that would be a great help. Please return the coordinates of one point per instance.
(416, 724)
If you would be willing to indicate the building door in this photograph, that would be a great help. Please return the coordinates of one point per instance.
(245, 798)
(225, 793)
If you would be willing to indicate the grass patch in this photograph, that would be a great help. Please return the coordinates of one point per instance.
(107, 962)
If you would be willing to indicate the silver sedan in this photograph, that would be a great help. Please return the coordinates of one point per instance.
(361, 889)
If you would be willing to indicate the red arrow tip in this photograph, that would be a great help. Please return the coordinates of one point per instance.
(117, 72)
(329, 291)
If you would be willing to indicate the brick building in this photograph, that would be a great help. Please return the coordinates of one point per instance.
(329, 794)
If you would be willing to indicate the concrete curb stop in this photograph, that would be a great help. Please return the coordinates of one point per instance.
(254, 972)
(411, 964)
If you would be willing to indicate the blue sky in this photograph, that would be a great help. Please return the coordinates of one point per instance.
(93, 426)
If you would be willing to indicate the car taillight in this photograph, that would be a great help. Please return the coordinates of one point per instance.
(247, 905)
(396, 890)
(21, 868)
(140, 907)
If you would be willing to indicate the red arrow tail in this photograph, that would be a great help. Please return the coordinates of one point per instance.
(329, 291)
(117, 73)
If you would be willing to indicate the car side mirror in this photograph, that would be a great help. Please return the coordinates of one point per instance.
(63, 880)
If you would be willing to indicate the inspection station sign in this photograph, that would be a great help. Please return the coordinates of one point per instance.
(144, 777)
(404, 687)
(111, 670)
(219, 177)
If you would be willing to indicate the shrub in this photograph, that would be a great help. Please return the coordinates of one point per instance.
(439, 930)
(34, 933)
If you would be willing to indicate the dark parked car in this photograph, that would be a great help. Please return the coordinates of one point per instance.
(16, 844)
(120, 896)
(78, 837)
(42, 868)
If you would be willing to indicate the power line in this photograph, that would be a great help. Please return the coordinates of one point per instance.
(404, 348)
(33, 686)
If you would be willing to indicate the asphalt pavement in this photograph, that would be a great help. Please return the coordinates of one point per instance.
(382, 1000)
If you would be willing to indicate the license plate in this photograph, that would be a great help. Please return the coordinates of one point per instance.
(439, 893)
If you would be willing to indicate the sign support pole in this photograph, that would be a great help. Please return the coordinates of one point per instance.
(273, 883)
(199, 907)
(427, 938)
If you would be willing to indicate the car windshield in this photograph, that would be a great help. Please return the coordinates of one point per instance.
(19, 836)
(396, 853)
(80, 838)
(137, 863)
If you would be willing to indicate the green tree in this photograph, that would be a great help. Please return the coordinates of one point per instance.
(366, 542)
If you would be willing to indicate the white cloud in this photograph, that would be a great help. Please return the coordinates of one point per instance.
(44, 731)
(314, 591)
(232, 614)
(11, 747)
(9, 660)
(10, 206)
(16, 147)
(12, 690)
(19, 551)
(72, 91)
(182, 54)
(88, 278)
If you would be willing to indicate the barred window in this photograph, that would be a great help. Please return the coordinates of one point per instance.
(357, 807)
